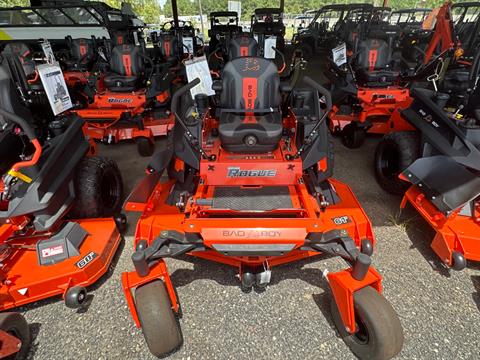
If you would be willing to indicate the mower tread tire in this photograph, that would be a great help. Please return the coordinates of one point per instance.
(16, 325)
(353, 136)
(98, 189)
(384, 338)
(159, 324)
(405, 146)
(145, 146)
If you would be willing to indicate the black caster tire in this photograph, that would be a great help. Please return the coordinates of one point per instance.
(379, 334)
(141, 245)
(98, 189)
(458, 261)
(15, 324)
(353, 136)
(159, 324)
(366, 247)
(121, 222)
(75, 297)
(145, 146)
(395, 153)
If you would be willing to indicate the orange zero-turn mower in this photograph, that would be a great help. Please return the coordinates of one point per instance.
(366, 94)
(130, 101)
(59, 220)
(249, 186)
(446, 179)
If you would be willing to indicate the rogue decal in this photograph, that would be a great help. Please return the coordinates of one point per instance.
(237, 172)
(119, 101)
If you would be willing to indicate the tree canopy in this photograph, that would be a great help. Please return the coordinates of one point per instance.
(150, 10)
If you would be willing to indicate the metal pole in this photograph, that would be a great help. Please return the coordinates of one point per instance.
(175, 12)
(201, 15)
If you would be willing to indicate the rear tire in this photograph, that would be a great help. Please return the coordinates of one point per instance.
(353, 136)
(379, 332)
(307, 51)
(145, 146)
(159, 324)
(16, 325)
(395, 153)
(98, 188)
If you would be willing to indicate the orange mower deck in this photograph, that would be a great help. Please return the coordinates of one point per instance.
(25, 281)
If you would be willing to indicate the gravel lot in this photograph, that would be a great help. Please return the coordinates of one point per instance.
(439, 309)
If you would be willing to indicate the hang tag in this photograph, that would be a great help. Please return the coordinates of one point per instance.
(198, 68)
(47, 50)
(265, 277)
(187, 45)
(55, 87)
(268, 52)
(339, 54)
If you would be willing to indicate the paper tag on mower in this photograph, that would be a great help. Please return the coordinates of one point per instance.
(198, 68)
(47, 50)
(339, 54)
(187, 45)
(55, 87)
(268, 52)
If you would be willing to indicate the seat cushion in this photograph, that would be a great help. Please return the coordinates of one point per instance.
(250, 133)
(377, 78)
(119, 83)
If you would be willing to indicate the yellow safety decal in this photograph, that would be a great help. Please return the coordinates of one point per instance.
(21, 176)
(4, 35)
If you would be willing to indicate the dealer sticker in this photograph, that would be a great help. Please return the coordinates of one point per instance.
(86, 260)
(52, 251)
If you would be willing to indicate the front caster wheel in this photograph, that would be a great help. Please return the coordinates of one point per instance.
(458, 261)
(353, 136)
(159, 325)
(15, 324)
(145, 146)
(379, 333)
(75, 297)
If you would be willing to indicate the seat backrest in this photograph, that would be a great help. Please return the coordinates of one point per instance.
(250, 83)
(241, 46)
(168, 45)
(125, 60)
(373, 54)
(23, 53)
(82, 49)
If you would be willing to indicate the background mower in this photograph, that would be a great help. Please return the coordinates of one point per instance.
(129, 100)
(59, 206)
(249, 186)
(446, 179)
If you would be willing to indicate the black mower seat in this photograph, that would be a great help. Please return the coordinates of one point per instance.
(373, 61)
(243, 45)
(126, 66)
(81, 52)
(250, 83)
(23, 53)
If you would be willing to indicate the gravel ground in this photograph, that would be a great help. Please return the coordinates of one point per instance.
(439, 310)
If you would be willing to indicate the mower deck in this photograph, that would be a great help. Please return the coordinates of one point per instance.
(27, 281)
(456, 233)
(377, 111)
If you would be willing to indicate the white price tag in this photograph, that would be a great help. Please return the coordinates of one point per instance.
(47, 50)
(55, 87)
(339, 54)
(187, 45)
(198, 68)
(269, 43)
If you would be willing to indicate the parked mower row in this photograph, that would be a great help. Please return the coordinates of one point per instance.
(245, 178)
